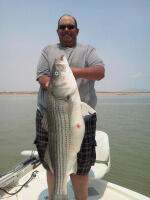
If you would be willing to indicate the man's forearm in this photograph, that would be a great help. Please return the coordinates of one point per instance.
(92, 73)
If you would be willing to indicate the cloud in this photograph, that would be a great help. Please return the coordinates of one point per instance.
(137, 75)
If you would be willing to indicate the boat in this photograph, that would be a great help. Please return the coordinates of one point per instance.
(27, 180)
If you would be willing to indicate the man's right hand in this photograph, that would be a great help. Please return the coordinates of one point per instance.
(44, 81)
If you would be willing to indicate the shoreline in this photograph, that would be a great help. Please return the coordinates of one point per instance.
(7, 94)
(122, 93)
(14, 94)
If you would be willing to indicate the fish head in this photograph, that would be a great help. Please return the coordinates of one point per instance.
(62, 81)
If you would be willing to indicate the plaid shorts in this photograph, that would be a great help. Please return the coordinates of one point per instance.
(86, 156)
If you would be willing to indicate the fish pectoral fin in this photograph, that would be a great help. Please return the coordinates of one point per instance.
(44, 122)
(87, 111)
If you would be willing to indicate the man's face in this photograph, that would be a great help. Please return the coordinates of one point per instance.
(67, 36)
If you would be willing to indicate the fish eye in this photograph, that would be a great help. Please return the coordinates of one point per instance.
(56, 73)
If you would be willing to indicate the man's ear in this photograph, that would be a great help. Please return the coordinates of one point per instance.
(77, 30)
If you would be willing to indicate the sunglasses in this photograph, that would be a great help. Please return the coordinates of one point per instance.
(69, 26)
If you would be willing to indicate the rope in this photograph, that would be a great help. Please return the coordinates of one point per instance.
(33, 175)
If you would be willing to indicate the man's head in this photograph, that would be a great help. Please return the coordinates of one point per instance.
(67, 31)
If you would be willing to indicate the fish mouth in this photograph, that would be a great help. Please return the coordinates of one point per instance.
(61, 63)
(62, 57)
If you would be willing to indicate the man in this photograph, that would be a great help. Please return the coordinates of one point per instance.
(87, 67)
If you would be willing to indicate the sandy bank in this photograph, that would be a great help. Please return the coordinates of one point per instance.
(17, 94)
(123, 93)
(98, 94)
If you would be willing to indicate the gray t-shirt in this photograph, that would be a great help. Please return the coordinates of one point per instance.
(79, 56)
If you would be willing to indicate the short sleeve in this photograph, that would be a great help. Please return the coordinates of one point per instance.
(43, 65)
(93, 58)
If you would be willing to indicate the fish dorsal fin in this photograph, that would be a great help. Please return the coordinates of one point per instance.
(44, 122)
(87, 111)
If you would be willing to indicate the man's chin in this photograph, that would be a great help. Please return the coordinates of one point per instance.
(67, 43)
(68, 40)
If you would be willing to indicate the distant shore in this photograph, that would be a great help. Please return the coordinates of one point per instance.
(7, 94)
(122, 93)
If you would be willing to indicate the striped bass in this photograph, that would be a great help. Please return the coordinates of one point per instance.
(64, 122)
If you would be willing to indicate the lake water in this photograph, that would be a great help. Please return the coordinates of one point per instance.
(126, 120)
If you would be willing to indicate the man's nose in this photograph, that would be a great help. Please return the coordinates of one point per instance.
(66, 29)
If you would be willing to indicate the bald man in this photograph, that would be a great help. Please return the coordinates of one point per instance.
(87, 67)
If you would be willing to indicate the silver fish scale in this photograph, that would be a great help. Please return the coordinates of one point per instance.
(59, 133)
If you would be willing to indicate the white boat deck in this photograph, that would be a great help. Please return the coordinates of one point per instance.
(36, 189)
(98, 189)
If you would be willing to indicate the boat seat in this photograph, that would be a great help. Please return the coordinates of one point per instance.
(102, 164)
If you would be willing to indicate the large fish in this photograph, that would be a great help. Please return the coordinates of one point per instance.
(65, 125)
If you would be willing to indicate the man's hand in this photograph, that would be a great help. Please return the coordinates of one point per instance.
(44, 81)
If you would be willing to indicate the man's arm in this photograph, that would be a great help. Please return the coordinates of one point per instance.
(92, 73)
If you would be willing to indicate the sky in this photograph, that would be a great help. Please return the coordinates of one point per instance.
(118, 29)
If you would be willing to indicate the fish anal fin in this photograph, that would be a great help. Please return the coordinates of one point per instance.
(73, 169)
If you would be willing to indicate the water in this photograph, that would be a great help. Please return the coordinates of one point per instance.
(125, 119)
(17, 129)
